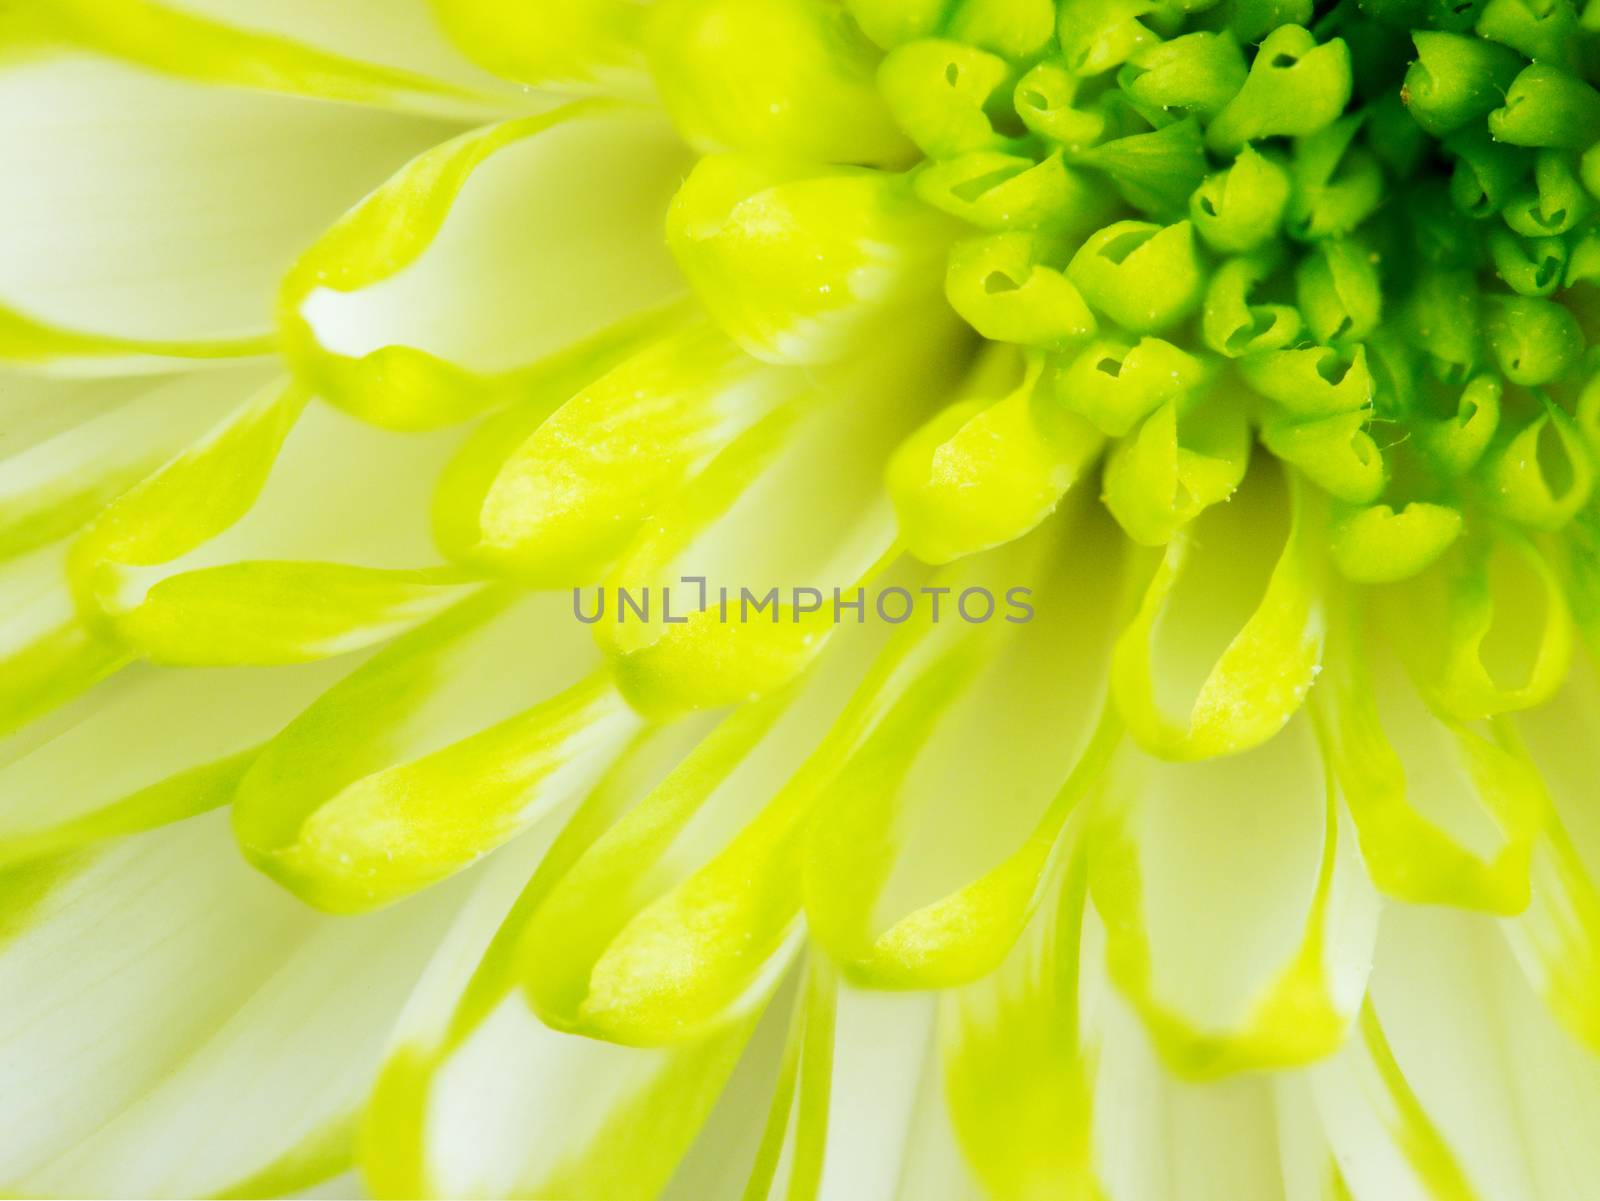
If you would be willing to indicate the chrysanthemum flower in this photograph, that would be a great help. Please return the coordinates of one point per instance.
(1227, 370)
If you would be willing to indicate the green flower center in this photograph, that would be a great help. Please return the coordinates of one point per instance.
(1365, 233)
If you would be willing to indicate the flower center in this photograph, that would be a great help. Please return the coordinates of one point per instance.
(1365, 235)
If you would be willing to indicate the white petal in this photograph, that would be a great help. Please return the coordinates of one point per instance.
(1459, 1081)
(1160, 1139)
(521, 248)
(386, 52)
(151, 745)
(1240, 918)
(163, 231)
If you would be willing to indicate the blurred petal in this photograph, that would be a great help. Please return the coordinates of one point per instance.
(1459, 1085)
(582, 45)
(1487, 630)
(267, 541)
(845, 1127)
(117, 1081)
(803, 264)
(674, 919)
(160, 236)
(416, 309)
(553, 498)
(69, 446)
(439, 749)
(761, 522)
(471, 1072)
(1230, 978)
(148, 747)
(1557, 940)
(1018, 1065)
(1447, 814)
(389, 53)
(1160, 1139)
(911, 881)
(48, 655)
(811, 96)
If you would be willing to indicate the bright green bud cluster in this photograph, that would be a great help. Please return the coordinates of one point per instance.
(1369, 241)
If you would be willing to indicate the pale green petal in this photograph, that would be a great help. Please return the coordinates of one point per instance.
(440, 748)
(675, 918)
(812, 96)
(265, 541)
(844, 1124)
(471, 1073)
(981, 473)
(1487, 630)
(1180, 462)
(389, 53)
(1018, 1072)
(742, 525)
(100, 945)
(119, 1082)
(1228, 637)
(911, 879)
(553, 498)
(1447, 813)
(583, 45)
(733, 1143)
(70, 446)
(1311, 1172)
(1228, 978)
(307, 1034)
(1156, 1138)
(417, 309)
(162, 234)
(1557, 941)
(150, 746)
(1461, 1087)
(803, 264)
(48, 654)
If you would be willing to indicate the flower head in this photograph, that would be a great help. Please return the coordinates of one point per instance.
(809, 598)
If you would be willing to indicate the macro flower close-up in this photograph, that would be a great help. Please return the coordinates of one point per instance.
(800, 600)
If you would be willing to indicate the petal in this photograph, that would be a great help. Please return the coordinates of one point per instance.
(790, 519)
(288, 533)
(553, 498)
(70, 446)
(1459, 1085)
(981, 473)
(802, 264)
(910, 882)
(810, 95)
(674, 919)
(149, 747)
(581, 45)
(1557, 940)
(48, 655)
(374, 316)
(442, 747)
(1160, 1139)
(389, 53)
(161, 235)
(1018, 1072)
(119, 1081)
(842, 1126)
(1447, 814)
(1487, 630)
(470, 1072)
(1229, 633)
(1230, 978)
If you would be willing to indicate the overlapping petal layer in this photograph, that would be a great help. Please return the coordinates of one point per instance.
(503, 505)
